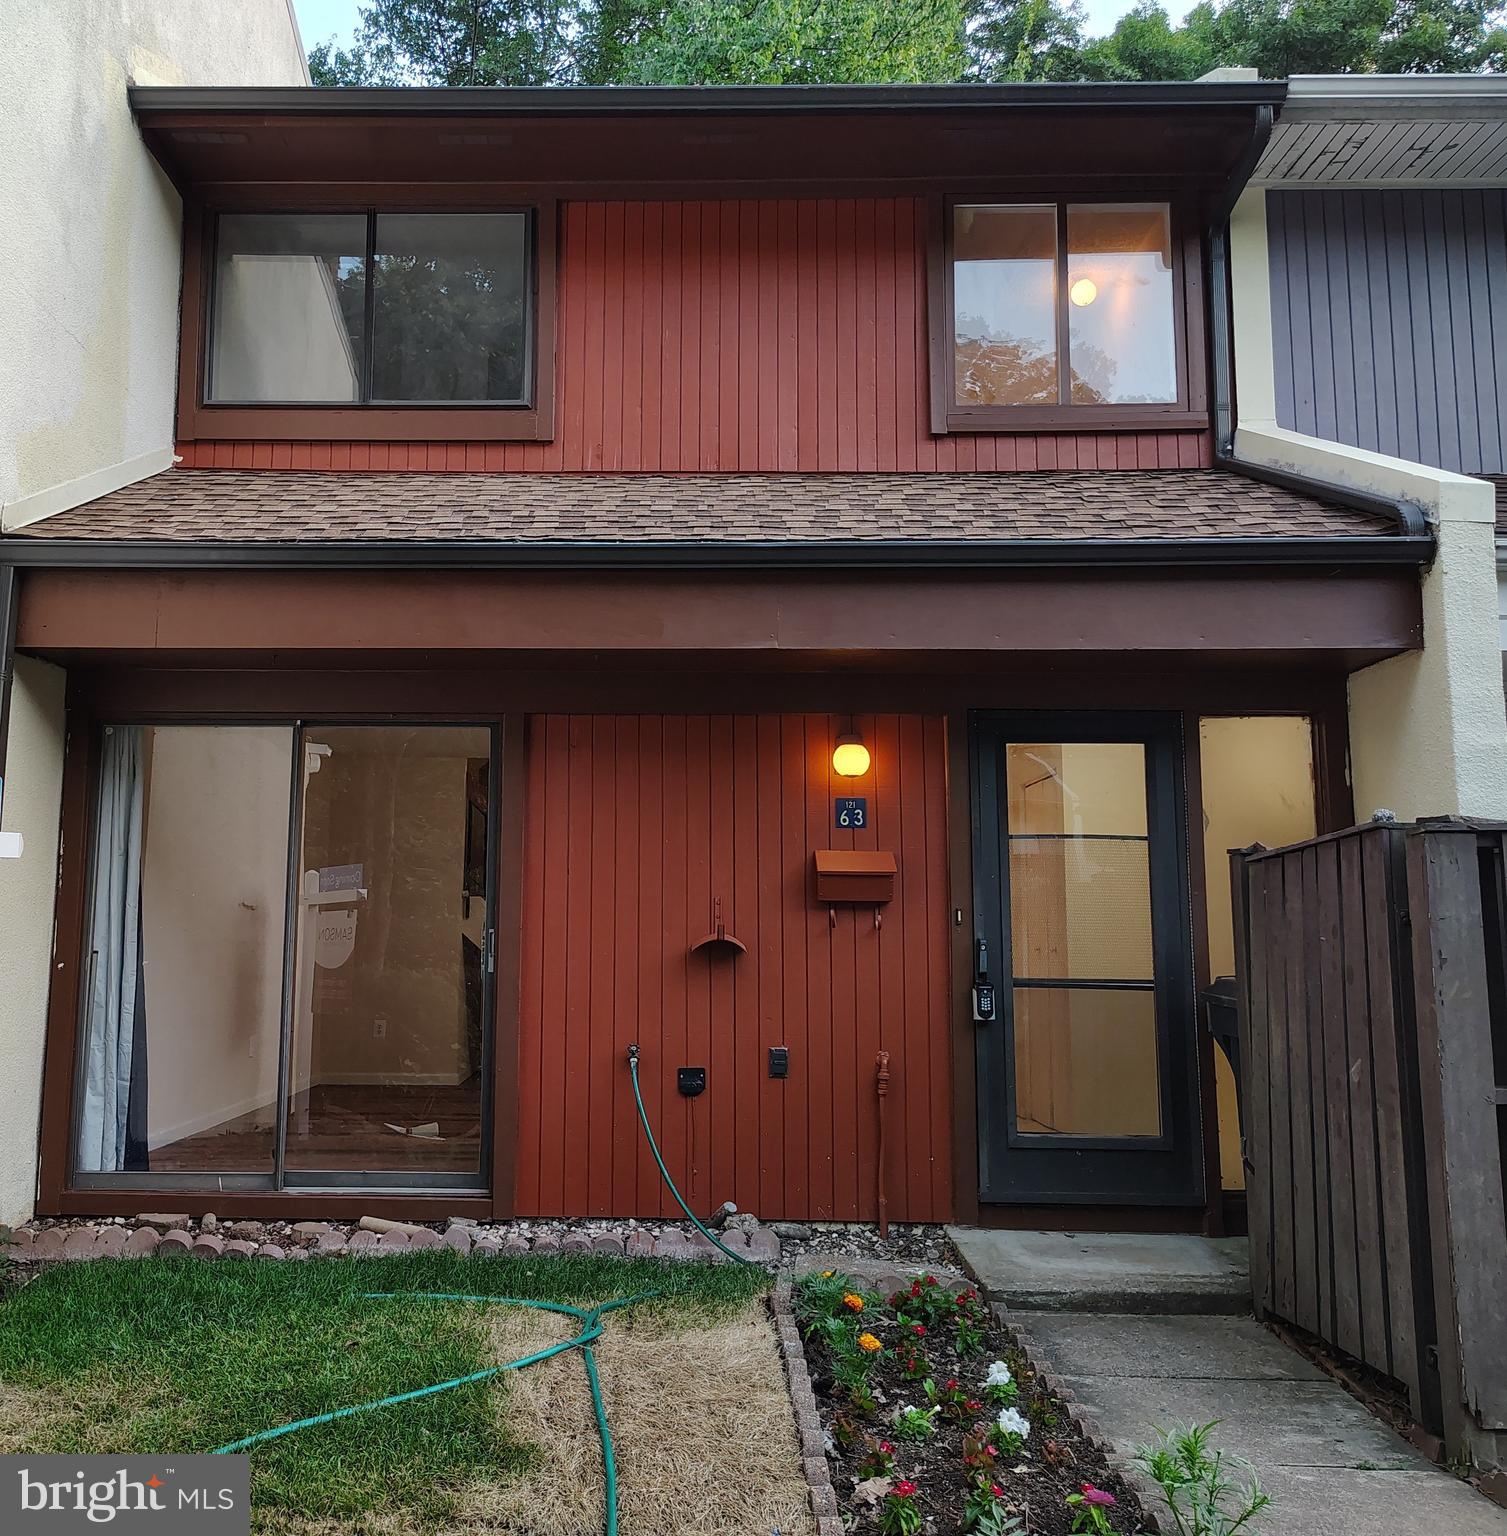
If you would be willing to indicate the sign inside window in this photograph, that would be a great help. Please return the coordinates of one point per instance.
(850, 813)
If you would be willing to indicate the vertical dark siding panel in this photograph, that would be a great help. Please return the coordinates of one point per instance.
(635, 825)
(1389, 320)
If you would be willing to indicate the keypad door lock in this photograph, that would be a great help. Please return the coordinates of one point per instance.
(984, 1001)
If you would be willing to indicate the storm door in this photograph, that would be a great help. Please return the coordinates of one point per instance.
(1086, 1055)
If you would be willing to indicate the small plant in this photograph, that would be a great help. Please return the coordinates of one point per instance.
(819, 1297)
(1000, 1389)
(1198, 1485)
(879, 1459)
(953, 1401)
(968, 1321)
(1088, 1506)
(1011, 1431)
(980, 1455)
(900, 1515)
(911, 1360)
(926, 1302)
(985, 1514)
(914, 1424)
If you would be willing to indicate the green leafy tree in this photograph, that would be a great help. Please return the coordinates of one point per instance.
(453, 42)
(801, 42)
(1025, 40)
(812, 42)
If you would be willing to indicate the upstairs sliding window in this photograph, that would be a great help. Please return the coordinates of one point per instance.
(1063, 313)
(371, 309)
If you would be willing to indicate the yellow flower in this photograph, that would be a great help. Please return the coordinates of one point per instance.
(868, 1343)
(854, 1303)
(827, 1274)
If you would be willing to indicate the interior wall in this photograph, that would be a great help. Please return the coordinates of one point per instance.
(1085, 1062)
(214, 894)
(393, 800)
(32, 802)
(1258, 787)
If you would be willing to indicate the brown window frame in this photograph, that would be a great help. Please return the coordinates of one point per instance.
(200, 419)
(1189, 410)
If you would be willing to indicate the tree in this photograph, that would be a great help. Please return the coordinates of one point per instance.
(453, 42)
(801, 42)
(810, 42)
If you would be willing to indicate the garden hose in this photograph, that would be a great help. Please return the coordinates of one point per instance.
(591, 1331)
(664, 1173)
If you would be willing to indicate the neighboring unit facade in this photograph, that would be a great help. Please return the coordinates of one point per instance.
(759, 575)
(1372, 252)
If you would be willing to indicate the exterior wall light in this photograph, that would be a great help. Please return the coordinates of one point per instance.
(850, 758)
(1083, 292)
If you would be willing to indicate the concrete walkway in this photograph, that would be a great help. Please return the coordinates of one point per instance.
(1331, 1468)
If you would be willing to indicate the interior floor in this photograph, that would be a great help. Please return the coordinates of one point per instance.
(345, 1128)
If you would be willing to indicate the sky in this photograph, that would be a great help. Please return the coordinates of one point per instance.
(319, 20)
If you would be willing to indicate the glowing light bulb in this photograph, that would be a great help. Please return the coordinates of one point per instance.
(850, 758)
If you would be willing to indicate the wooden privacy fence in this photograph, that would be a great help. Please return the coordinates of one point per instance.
(1372, 992)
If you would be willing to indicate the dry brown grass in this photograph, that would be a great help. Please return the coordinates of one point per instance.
(90, 1414)
(700, 1421)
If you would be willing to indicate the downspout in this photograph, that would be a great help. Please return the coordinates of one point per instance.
(1410, 520)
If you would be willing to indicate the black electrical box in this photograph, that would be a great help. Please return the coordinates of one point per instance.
(779, 1061)
(691, 1081)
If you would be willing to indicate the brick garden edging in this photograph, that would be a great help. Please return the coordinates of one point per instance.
(1146, 1492)
(808, 1424)
(177, 1235)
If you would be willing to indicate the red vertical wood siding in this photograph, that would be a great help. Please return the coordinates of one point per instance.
(754, 335)
(636, 824)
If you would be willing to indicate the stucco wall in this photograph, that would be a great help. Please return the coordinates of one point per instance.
(33, 786)
(89, 261)
(89, 243)
(1428, 730)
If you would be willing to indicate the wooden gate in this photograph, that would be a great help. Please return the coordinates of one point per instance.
(1373, 1002)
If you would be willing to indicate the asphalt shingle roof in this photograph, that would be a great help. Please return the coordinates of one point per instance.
(253, 506)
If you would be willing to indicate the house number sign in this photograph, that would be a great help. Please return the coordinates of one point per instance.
(848, 812)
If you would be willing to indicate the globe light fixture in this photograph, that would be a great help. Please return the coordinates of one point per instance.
(850, 758)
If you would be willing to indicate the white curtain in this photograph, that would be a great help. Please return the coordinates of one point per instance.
(113, 1004)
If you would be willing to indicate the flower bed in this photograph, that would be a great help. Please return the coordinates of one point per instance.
(936, 1423)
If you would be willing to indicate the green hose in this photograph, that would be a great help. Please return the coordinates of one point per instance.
(590, 1332)
(664, 1173)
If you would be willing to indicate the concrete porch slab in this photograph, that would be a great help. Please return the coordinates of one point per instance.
(1121, 1272)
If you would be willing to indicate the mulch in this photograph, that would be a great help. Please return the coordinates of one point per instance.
(1057, 1459)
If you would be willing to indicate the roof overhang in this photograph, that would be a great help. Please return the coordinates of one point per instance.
(298, 144)
(1384, 131)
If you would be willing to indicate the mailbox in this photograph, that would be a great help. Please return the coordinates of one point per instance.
(855, 877)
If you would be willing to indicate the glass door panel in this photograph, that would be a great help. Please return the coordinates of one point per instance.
(1087, 1079)
(387, 1060)
(183, 975)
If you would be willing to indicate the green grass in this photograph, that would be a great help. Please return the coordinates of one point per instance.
(181, 1355)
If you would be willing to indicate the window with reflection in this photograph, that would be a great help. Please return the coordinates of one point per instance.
(371, 308)
(1063, 305)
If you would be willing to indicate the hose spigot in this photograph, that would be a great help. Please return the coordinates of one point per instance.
(632, 1053)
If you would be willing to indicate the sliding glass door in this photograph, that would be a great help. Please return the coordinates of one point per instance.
(288, 977)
